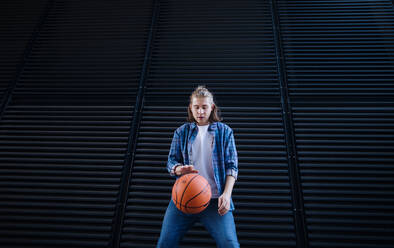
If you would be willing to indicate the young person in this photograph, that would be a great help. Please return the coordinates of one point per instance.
(206, 146)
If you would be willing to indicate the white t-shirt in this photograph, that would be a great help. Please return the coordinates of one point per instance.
(202, 157)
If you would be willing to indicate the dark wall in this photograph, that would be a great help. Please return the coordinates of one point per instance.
(92, 92)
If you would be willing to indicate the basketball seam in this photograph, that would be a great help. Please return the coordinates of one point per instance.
(203, 190)
(183, 193)
(176, 190)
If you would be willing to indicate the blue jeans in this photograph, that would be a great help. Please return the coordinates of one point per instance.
(176, 224)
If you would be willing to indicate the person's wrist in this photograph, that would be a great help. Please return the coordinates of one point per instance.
(176, 170)
(227, 194)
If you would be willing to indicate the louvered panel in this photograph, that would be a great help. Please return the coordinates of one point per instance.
(18, 20)
(64, 135)
(346, 159)
(150, 184)
(88, 52)
(263, 213)
(60, 172)
(338, 48)
(228, 46)
(339, 57)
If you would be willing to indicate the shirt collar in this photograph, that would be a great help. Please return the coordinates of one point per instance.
(212, 126)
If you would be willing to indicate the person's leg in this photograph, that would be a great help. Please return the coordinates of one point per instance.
(174, 226)
(222, 228)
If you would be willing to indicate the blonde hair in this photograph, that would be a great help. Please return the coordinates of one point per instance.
(202, 91)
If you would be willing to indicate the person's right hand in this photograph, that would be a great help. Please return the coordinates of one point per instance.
(185, 169)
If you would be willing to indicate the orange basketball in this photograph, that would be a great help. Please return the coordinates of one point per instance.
(191, 193)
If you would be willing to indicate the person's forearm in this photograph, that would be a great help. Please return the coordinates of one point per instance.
(228, 188)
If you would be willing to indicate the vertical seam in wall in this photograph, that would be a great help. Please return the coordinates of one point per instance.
(294, 173)
(133, 135)
(7, 96)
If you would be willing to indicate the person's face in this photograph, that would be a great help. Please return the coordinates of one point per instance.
(201, 108)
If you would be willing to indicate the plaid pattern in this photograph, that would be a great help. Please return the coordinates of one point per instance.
(224, 152)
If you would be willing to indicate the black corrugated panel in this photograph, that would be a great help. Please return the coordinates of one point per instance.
(64, 135)
(60, 172)
(87, 53)
(228, 46)
(338, 48)
(18, 20)
(339, 57)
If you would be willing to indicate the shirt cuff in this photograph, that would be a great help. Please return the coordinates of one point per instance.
(232, 172)
(172, 172)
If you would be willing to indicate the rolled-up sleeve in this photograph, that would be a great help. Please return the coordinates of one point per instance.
(231, 156)
(175, 154)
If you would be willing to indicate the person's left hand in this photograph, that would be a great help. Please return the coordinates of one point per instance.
(223, 204)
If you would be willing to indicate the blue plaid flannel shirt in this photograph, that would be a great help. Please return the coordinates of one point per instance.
(224, 153)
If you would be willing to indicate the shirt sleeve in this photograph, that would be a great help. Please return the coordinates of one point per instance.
(175, 154)
(231, 156)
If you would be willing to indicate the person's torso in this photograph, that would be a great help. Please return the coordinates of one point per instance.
(202, 148)
(220, 133)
